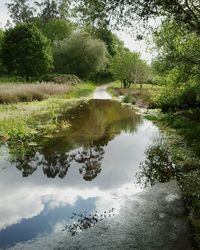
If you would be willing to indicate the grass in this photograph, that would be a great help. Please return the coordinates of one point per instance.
(142, 96)
(13, 93)
(23, 120)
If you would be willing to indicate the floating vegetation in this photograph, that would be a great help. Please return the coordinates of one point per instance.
(86, 220)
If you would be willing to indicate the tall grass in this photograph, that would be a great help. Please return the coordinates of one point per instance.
(13, 93)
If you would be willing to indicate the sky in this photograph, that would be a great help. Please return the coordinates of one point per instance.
(129, 41)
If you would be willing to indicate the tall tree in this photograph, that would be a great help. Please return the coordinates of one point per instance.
(20, 10)
(129, 68)
(26, 52)
(49, 10)
(185, 12)
(80, 55)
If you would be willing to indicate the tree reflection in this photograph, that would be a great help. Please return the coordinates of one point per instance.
(56, 164)
(26, 167)
(91, 160)
(93, 125)
(158, 166)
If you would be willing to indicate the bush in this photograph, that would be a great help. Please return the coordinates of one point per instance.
(129, 99)
(61, 78)
(178, 98)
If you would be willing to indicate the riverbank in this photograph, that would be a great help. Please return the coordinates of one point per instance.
(26, 119)
(181, 130)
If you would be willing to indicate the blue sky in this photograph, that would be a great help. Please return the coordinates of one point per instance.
(139, 46)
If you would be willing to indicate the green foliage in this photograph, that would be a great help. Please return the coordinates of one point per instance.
(185, 13)
(80, 55)
(26, 52)
(112, 42)
(57, 30)
(129, 99)
(2, 69)
(61, 78)
(92, 13)
(179, 52)
(177, 98)
(49, 10)
(20, 11)
(129, 68)
(12, 79)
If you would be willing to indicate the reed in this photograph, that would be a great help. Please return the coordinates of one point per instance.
(13, 93)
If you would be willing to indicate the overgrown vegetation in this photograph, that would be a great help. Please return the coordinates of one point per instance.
(13, 93)
(19, 121)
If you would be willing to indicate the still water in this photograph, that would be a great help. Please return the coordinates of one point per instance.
(89, 166)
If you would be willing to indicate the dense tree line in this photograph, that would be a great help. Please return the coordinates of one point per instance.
(43, 38)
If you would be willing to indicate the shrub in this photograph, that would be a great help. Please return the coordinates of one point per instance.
(177, 98)
(129, 99)
(61, 78)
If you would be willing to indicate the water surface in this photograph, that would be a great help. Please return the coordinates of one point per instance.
(90, 166)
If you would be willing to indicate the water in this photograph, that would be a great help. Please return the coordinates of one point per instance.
(85, 168)
(91, 166)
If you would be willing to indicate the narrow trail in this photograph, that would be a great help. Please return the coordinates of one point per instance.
(101, 93)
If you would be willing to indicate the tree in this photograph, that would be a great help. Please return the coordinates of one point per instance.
(1, 39)
(128, 68)
(55, 29)
(186, 13)
(80, 55)
(20, 11)
(49, 10)
(26, 52)
(179, 52)
(92, 13)
(111, 40)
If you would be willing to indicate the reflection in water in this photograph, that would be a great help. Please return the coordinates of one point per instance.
(90, 160)
(56, 164)
(93, 125)
(90, 167)
(84, 221)
(158, 166)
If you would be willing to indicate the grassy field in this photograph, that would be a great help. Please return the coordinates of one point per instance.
(142, 97)
(14, 93)
(19, 120)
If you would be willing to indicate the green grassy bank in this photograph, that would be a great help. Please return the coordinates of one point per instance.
(26, 119)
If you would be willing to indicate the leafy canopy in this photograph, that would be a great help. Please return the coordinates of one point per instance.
(26, 52)
(129, 68)
(80, 55)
